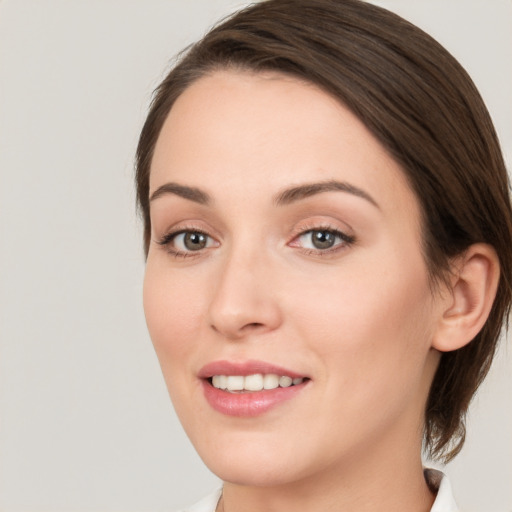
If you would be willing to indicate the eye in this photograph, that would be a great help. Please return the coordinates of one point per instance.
(185, 242)
(319, 239)
(322, 240)
(191, 241)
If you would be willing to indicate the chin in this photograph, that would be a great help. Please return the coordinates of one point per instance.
(255, 458)
(254, 473)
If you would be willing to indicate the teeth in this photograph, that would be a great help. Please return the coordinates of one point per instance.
(220, 381)
(270, 381)
(256, 382)
(235, 383)
(285, 381)
(253, 382)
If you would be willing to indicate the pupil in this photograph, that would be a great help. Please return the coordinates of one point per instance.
(323, 239)
(195, 241)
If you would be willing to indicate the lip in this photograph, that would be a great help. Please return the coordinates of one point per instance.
(248, 404)
(244, 368)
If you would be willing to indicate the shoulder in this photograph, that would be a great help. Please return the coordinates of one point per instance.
(207, 504)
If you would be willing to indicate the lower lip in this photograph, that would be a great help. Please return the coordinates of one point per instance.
(248, 404)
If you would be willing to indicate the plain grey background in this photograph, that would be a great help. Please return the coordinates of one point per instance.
(85, 421)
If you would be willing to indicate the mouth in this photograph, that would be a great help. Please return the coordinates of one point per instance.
(254, 382)
(249, 389)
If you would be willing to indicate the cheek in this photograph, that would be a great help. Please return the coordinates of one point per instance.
(371, 322)
(172, 311)
(364, 297)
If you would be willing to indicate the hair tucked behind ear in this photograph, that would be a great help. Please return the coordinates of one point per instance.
(423, 108)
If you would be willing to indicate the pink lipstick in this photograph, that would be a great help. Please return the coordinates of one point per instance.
(249, 388)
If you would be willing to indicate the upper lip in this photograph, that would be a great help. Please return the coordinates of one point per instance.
(244, 368)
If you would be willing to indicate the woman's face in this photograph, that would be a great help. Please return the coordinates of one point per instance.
(286, 248)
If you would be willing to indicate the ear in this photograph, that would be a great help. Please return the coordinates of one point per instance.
(471, 293)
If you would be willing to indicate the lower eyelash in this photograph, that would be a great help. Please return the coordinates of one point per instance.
(324, 252)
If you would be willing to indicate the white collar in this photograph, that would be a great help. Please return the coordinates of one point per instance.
(207, 504)
(445, 501)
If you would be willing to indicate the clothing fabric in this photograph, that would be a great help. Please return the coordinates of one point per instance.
(445, 502)
(437, 481)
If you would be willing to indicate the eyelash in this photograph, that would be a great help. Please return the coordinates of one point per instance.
(168, 238)
(347, 241)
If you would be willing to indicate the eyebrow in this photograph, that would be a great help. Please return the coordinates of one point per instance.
(287, 196)
(192, 193)
(293, 194)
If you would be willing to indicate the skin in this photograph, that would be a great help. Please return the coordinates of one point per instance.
(359, 320)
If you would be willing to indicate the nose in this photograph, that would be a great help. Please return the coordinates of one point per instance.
(245, 301)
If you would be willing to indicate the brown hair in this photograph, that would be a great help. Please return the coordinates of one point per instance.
(423, 108)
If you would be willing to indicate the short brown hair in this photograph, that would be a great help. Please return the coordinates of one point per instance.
(424, 109)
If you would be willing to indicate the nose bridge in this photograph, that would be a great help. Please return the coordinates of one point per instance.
(243, 301)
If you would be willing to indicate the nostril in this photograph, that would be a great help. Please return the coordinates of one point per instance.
(249, 326)
(253, 325)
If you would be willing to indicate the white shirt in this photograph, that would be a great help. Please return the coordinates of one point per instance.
(437, 480)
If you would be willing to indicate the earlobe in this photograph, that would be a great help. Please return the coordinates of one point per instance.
(473, 286)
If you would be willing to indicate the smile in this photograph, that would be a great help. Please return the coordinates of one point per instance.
(255, 382)
(250, 388)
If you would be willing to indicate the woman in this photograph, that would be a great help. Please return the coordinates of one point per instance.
(328, 233)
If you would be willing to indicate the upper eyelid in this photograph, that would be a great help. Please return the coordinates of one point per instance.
(189, 226)
(321, 225)
(172, 234)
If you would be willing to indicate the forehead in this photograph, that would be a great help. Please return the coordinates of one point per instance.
(261, 132)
